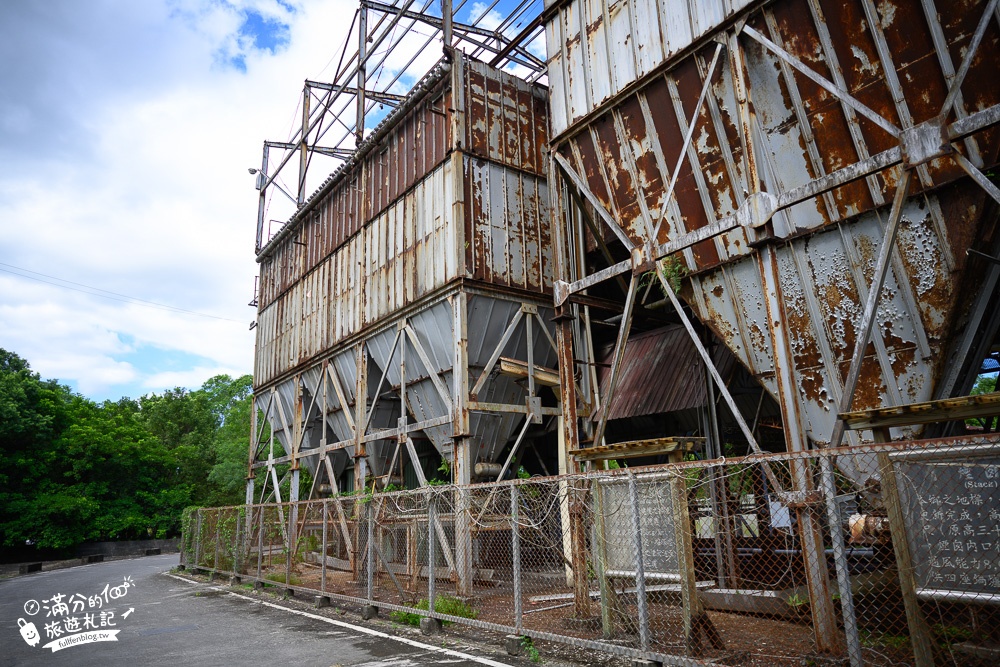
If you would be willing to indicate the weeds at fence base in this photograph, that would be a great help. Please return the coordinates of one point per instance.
(442, 605)
(529, 649)
(883, 640)
(279, 578)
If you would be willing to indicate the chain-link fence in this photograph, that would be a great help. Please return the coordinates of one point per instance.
(883, 555)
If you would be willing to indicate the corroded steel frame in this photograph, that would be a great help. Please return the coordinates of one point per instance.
(329, 395)
(916, 146)
(359, 84)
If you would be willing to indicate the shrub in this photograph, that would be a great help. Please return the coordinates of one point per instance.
(443, 604)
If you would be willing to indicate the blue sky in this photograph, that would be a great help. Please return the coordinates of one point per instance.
(260, 33)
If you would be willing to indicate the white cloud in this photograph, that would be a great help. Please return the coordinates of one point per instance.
(487, 17)
(126, 131)
(193, 377)
(126, 135)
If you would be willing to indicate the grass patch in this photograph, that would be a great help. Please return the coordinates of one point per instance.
(443, 604)
(883, 640)
(279, 578)
(949, 634)
(529, 649)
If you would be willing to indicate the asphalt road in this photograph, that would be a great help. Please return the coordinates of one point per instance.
(176, 622)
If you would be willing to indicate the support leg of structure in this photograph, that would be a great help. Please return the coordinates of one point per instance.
(571, 499)
(462, 466)
(827, 636)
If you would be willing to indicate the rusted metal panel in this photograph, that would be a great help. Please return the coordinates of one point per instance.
(649, 358)
(405, 253)
(413, 148)
(507, 125)
(509, 231)
(621, 124)
(597, 49)
(507, 118)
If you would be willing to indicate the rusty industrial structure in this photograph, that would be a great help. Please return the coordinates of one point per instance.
(726, 228)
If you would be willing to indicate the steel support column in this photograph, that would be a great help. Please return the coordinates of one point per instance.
(826, 633)
(461, 464)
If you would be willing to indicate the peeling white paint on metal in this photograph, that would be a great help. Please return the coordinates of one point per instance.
(866, 65)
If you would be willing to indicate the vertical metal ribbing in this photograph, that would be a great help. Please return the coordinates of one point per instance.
(326, 518)
(640, 574)
(515, 545)
(431, 559)
(370, 555)
(260, 541)
(840, 561)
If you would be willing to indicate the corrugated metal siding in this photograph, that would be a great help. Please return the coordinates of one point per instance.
(625, 40)
(661, 372)
(628, 150)
(506, 124)
(507, 118)
(406, 252)
(409, 152)
(411, 216)
(510, 234)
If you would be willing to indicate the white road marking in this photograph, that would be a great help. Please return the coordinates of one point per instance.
(357, 628)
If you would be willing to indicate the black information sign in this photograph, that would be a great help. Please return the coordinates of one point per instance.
(951, 512)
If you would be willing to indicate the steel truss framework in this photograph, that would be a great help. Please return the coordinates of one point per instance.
(950, 135)
(335, 112)
(337, 386)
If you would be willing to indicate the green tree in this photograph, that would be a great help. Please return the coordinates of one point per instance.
(231, 402)
(183, 422)
(985, 384)
(72, 470)
(33, 414)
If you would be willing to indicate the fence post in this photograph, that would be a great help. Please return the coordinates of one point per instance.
(289, 547)
(431, 555)
(322, 576)
(370, 555)
(218, 521)
(237, 541)
(260, 542)
(640, 574)
(840, 561)
(608, 599)
(197, 542)
(919, 633)
(515, 540)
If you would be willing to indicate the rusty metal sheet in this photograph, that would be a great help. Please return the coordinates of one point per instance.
(507, 118)
(824, 279)
(507, 125)
(407, 252)
(413, 148)
(649, 358)
(510, 237)
(598, 49)
(895, 58)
